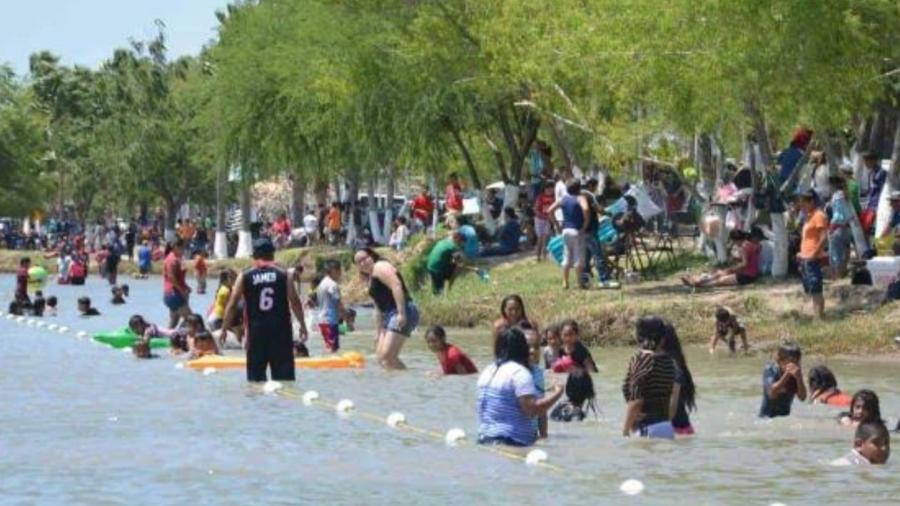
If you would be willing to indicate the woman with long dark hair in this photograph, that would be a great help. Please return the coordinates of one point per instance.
(649, 384)
(507, 397)
(683, 399)
(396, 316)
(512, 313)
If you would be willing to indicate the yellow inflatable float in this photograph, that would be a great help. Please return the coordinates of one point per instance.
(349, 360)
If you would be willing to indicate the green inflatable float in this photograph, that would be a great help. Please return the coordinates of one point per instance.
(125, 338)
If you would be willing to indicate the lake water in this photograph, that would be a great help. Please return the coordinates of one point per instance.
(84, 424)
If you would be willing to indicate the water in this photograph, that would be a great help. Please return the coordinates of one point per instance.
(84, 424)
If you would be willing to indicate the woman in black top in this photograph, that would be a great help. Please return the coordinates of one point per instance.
(649, 383)
(685, 391)
(396, 316)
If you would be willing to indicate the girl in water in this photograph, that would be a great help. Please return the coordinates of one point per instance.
(552, 345)
(682, 401)
(824, 388)
(574, 353)
(579, 391)
(396, 316)
(147, 331)
(864, 407)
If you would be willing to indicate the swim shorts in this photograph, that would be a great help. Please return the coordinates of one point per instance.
(389, 320)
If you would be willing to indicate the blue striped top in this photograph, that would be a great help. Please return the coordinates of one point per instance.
(499, 413)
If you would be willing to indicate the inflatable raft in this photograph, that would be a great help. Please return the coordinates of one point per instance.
(125, 338)
(349, 360)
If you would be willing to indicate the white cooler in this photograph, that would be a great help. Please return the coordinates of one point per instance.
(884, 270)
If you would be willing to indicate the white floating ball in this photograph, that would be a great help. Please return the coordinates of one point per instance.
(344, 406)
(270, 387)
(310, 396)
(81, 335)
(52, 326)
(113, 418)
(631, 487)
(20, 320)
(31, 322)
(396, 419)
(62, 329)
(778, 504)
(454, 436)
(211, 370)
(179, 365)
(10, 316)
(40, 324)
(535, 457)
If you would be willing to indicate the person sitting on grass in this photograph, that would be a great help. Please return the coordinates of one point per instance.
(824, 389)
(871, 445)
(451, 358)
(579, 391)
(728, 328)
(85, 308)
(507, 237)
(744, 273)
(782, 381)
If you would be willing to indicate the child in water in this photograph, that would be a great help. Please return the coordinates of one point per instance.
(201, 270)
(782, 381)
(533, 339)
(51, 310)
(199, 341)
(575, 353)
(728, 327)
(579, 391)
(39, 304)
(451, 358)
(864, 407)
(142, 350)
(871, 445)
(824, 389)
(118, 295)
(85, 308)
(331, 308)
(148, 331)
(552, 345)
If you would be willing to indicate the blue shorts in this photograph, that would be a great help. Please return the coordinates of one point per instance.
(389, 320)
(174, 301)
(659, 430)
(811, 272)
(839, 245)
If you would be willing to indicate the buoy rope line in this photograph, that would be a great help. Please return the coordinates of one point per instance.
(396, 420)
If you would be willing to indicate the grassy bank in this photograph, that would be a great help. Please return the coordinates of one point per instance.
(311, 257)
(772, 311)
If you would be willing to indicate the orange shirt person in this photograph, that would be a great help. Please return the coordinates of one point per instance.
(814, 237)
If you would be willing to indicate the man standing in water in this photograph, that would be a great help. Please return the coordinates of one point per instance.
(269, 297)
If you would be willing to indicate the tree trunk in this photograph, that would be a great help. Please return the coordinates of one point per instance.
(220, 243)
(761, 133)
(389, 199)
(859, 147)
(833, 152)
(891, 184)
(245, 240)
(352, 197)
(467, 156)
(298, 198)
(780, 260)
(171, 213)
(374, 226)
(559, 135)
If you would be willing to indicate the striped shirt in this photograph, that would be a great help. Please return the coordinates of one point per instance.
(650, 378)
(499, 413)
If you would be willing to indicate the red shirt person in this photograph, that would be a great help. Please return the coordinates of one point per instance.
(451, 358)
(453, 195)
(423, 207)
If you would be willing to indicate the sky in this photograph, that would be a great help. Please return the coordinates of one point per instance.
(86, 32)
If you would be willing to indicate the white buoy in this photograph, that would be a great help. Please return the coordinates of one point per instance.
(536, 457)
(344, 406)
(631, 487)
(113, 418)
(31, 322)
(81, 334)
(396, 419)
(40, 324)
(309, 397)
(62, 329)
(209, 370)
(52, 327)
(778, 504)
(454, 436)
(20, 320)
(10, 316)
(270, 387)
(179, 365)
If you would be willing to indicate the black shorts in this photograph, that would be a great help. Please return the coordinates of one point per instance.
(273, 353)
(743, 279)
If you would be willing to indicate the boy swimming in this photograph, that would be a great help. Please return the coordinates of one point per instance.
(85, 308)
(782, 381)
(871, 445)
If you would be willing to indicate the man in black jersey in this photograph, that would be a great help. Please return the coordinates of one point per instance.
(269, 297)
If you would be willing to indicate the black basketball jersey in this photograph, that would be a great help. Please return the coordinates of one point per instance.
(266, 303)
